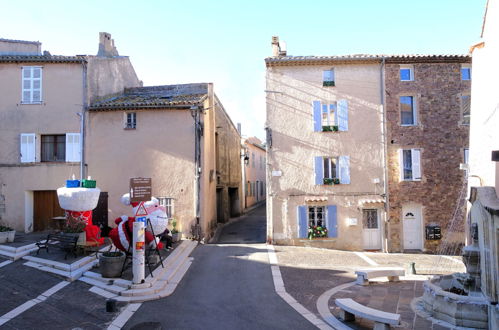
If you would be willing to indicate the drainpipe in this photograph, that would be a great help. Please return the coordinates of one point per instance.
(82, 121)
(385, 157)
(195, 113)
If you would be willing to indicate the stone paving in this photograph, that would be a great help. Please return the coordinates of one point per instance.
(309, 272)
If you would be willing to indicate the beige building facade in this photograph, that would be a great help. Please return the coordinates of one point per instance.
(43, 100)
(254, 171)
(325, 154)
(151, 132)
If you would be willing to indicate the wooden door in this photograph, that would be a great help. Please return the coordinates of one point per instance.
(46, 206)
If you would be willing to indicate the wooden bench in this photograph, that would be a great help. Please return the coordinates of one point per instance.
(350, 308)
(61, 241)
(392, 273)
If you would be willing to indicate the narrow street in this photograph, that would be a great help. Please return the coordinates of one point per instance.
(229, 286)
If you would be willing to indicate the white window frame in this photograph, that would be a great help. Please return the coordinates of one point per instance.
(169, 204)
(329, 113)
(31, 89)
(414, 111)
(315, 212)
(466, 155)
(465, 67)
(411, 72)
(130, 120)
(415, 165)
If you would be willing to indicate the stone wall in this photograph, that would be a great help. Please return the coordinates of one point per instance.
(441, 137)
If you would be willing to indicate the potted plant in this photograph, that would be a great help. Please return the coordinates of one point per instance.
(111, 263)
(75, 227)
(176, 235)
(7, 234)
(316, 232)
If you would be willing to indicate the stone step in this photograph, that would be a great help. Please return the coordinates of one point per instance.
(116, 281)
(17, 249)
(68, 275)
(108, 287)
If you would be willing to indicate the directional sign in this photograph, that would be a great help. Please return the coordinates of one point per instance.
(140, 190)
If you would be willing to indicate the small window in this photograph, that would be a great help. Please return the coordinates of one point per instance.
(410, 165)
(465, 109)
(130, 120)
(466, 155)
(329, 117)
(53, 148)
(332, 170)
(31, 85)
(317, 216)
(370, 219)
(328, 78)
(167, 202)
(465, 72)
(407, 111)
(406, 73)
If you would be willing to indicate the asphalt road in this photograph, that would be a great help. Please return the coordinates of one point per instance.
(229, 286)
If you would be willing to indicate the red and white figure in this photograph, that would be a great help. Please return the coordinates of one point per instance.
(122, 235)
(78, 204)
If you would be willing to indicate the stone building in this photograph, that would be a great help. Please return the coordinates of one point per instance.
(179, 136)
(428, 116)
(254, 171)
(43, 98)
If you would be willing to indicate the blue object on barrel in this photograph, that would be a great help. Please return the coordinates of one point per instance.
(72, 183)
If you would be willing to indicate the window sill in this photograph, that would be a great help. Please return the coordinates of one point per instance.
(30, 103)
(330, 182)
(321, 239)
(409, 125)
(331, 128)
(328, 84)
(129, 128)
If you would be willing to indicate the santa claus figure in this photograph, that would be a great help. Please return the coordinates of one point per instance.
(122, 235)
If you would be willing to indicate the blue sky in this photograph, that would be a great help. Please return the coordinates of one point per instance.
(225, 42)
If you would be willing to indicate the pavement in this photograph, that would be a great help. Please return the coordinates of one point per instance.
(238, 283)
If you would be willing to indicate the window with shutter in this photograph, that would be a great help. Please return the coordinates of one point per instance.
(31, 85)
(53, 148)
(27, 147)
(332, 170)
(73, 149)
(410, 164)
(316, 111)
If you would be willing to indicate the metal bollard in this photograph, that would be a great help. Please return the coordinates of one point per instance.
(111, 306)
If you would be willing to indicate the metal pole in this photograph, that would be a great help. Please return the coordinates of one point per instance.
(82, 124)
(138, 262)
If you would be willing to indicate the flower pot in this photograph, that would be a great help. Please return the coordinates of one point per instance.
(11, 235)
(111, 265)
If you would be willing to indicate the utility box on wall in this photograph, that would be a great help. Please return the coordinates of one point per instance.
(433, 232)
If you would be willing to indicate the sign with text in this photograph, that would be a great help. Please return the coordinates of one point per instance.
(140, 190)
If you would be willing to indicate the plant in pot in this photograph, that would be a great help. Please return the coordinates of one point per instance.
(176, 235)
(111, 263)
(75, 227)
(7, 234)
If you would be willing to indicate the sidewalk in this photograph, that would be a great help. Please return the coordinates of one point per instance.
(310, 272)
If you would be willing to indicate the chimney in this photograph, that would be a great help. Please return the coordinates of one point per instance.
(106, 45)
(278, 48)
(239, 128)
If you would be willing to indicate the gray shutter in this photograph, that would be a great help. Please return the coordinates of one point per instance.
(319, 172)
(343, 115)
(302, 221)
(344, 164)
(332, 223)
(317, 116)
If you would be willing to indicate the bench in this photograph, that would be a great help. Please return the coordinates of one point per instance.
(350, 308)
(392, 273)
(60, 240)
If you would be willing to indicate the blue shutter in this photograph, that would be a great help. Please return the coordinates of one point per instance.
(302, 222)
(332, 223)
(317, 117)
(343, 115)
(344, 164)
(319, 172)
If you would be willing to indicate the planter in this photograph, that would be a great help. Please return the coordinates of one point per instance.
(328, 83)
(111, 264)
(331, 128)
(7, 236)
(176, 237)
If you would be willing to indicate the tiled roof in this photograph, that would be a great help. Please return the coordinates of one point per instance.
(307, 60)
(41, 58)
(169, 96)
(21, 41)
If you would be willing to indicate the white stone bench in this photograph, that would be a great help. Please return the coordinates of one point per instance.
(382, 320)
(392, 273)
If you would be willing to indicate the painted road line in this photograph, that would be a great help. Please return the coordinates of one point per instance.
(124, 316)
(366, 259)
(5, 263)
(281, 291)
(30, 303)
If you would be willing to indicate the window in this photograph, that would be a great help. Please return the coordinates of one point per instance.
(53, 148)
(410, 167)
(167, 202)
(73, 151)
(466, 155)
(317, 215)
(406, 73)
(465, 109)
(370, 218)
(465, 72)
(253, 159)
(328, 77)
(407, 111)
(330, 117)
(262, 190)
(130, 120)
(332, 170)
(27, 148)
(31, 85)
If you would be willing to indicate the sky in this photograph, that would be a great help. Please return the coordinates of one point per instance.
(226, 42)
